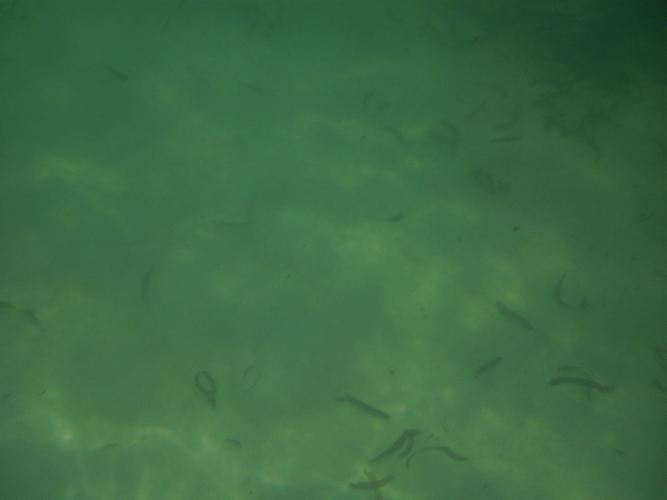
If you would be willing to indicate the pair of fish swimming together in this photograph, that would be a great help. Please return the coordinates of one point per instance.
(407, 441)
(584, 382)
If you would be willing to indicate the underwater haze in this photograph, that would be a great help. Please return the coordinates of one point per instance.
(321, 249)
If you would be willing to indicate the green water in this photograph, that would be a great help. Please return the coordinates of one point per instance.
(310, 199)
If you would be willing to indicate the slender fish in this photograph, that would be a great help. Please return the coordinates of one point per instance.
(507, 138)
(28, 313)
(373, 479)
(146, 284)
(407, 437)
(117, 73)
(507, 313)
(583, 382)
(446, 449)
(360, 405)
(232, 443)
(31, 315)
(372, 485)
(488, 182)
(497, 88)
(395, 218)
(398, 135)
(206, 386)
(559, 300)
(409, 446)
(476, 111)
(251, 376)
(487, 366)
(511, 122)
(659, 385)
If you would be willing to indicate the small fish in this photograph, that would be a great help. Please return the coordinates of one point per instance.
(373, 479)
(207, 387)
(507, 138)
(497, 88)
(487, 366)
(255, 88)
(566, 131)
(251, 376)
(31, 315)
(232, 443)
(146, 284)
(507, 313)
(118, 74)
(659, 385)
(372, 485)
(395, 218)
(446, 135)
(410, 445)
(487, 181)
(475, 111)
(367, 99)
(559, 300)
(662, 146)
(360, 405)
(512, 122)
(446, 449)
(407, 437)
(583, 382)
(398, 135)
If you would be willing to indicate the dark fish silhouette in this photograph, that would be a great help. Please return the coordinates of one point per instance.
(583, 382)
(366, 408)
(29, 313)
(507, 313)
(373, 484)
(408, 437)
(559, 300)
(117, 73)
(146, 284)
(446, 449)
(206, 386)
(487, 366)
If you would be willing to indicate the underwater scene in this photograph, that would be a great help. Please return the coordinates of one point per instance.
(333, 249)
